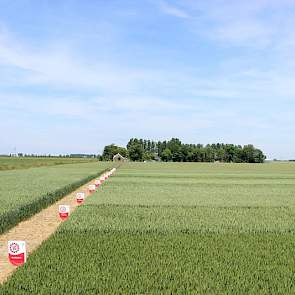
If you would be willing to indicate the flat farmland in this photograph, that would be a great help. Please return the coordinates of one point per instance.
(25, 192)
(11, 163)
(162, 228)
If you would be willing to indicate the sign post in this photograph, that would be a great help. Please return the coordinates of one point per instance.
(80, 198)
(97, 182)
(64, 211)
(91, 188)
(17, 254)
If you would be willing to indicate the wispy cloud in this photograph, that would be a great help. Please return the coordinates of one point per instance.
(250, 33)
(58, 65)
(255, 24)
(223, 72)
(173, 10)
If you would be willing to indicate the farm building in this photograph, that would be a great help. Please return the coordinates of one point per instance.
(119, 158)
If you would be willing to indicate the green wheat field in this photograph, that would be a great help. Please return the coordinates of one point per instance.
(173, 228)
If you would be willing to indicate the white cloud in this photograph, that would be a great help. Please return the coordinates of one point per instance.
(250, 33)
(59, 66)
(254, 23)
(232, 100)
(173, 10)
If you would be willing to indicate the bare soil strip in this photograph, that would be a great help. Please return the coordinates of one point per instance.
(35, 230)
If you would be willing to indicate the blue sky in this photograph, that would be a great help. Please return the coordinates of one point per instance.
(77, 75)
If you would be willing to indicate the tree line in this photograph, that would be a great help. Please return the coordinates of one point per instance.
(174, 150)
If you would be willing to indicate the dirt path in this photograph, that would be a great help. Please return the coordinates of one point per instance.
(35, 230)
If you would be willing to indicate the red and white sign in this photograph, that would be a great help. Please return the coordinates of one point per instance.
(91, 188)
(64, 211)
(80, 198)
(97, 182)
(17, 254)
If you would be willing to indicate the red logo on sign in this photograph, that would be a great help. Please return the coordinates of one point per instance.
(97, 183)
(18, 259)
(14, 248)
(80, 201)
(63, 216)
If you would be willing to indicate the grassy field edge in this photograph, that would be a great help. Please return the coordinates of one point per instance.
(13, 217)
(13, 163)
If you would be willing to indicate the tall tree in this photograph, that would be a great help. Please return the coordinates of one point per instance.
(136, 151)
(111, 150)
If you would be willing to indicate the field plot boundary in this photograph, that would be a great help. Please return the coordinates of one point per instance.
(22, 163)
(40, 226)
(125, 239)
(13, 217)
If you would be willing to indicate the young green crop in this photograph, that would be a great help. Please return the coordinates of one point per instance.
(203, 184)
(184, 219)
(25, 192)
(174, 229)
(11, 163)
(121, 263)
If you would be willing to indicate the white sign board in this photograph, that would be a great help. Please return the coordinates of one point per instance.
(17, 254)
(64, 211)
(80, 197)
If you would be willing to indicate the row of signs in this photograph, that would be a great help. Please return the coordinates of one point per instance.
(64, 210)
(17, 253)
